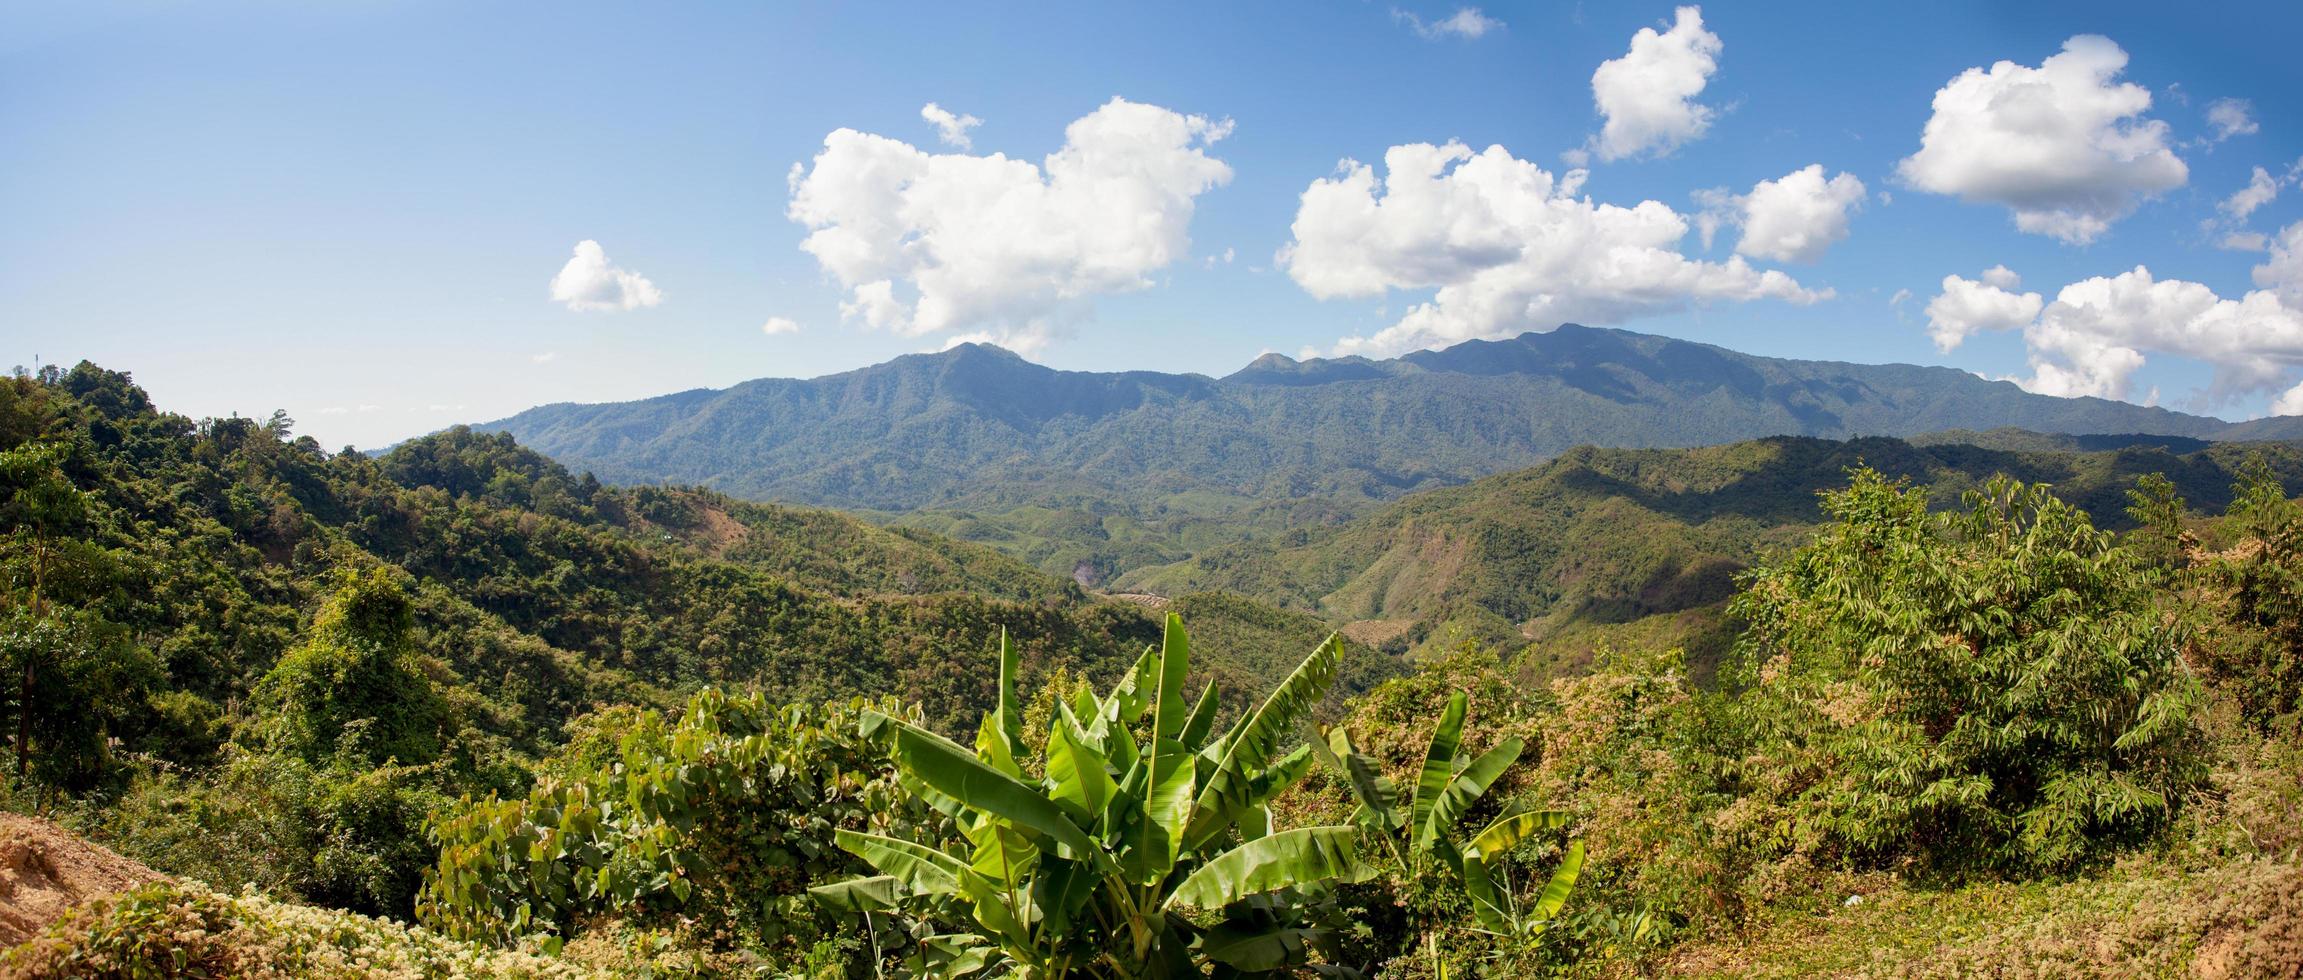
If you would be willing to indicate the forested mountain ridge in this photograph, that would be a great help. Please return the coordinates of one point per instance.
(1600, 539)
(932, 430)
(537, 593)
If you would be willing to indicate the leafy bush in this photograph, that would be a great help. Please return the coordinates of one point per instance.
(1990, 688)
(2255, 641)
(183, 930)
(723, 817)
(1127, 858)
(345, 834)
(357, 669)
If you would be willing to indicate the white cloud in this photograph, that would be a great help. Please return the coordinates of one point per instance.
(546, 357)
(2098, 332)
(952, 129)
(2061, 145)
(1506, 246)
(589, 284)
(778, 326)
(2282, 273)
(1966, 307)
(2290, 403)
(2261, 189)
(1793, 218)
(1648, 96)
(1901, 297)
(2094, 335)
(2232, 117)
(932, 242)
(1467, 23)
(2244, 241)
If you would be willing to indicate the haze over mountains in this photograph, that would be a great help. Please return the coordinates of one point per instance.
(978, 426)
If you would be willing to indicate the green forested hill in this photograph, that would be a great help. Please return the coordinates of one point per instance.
(1602, 538)
(539, 593)
(1097, 474)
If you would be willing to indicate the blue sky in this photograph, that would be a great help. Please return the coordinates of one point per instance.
(356, 211)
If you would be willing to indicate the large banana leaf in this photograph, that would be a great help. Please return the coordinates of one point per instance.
(1466, 789)
(1254, 948)
(1134, 691)
(1158, 839)
(1252, 742)
(1077, 777)
(1375, 792)
(1293, 857)
(944, 766)
(1202, 720)
(921, 869)
(1562, 882)
(1438, 763)
(1005, 725)
(1506, 832)
(877, 893)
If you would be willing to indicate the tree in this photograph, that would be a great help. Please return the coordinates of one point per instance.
(74, 670)
(355, 685)
(1989, 688)
(1094, 866)
(2255, 645)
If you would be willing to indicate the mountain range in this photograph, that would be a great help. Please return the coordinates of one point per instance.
(978, 427)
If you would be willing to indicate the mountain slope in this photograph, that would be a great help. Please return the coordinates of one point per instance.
(933, 430)
(1604, 538)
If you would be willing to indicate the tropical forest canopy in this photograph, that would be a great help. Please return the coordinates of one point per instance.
(1799, 704)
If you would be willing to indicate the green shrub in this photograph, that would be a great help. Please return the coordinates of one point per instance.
(722, 818)
(1991, 688)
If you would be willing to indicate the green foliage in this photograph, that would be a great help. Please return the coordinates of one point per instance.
(720, 819)
(1602, 542)
(357, 669)
(1989, 688)
(169, 930)
(1098, 452)
(2255, 642)
(346, 833)
(1145, 849)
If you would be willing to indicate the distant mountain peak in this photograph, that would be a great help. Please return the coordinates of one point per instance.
(930, 429)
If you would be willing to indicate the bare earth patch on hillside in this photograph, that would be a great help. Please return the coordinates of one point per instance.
(1376, 632)
(46, 870)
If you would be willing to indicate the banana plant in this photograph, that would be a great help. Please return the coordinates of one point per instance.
(1145, 845)
(1419, 830)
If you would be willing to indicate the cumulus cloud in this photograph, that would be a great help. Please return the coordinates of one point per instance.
(2261, 189)
(778, 326)
(1467, 23)
(2098, 332)
(2232, 117)
(1793, 218)
(1647, 97)
(2062, 145)
(952, 129)
(927, 243)
(2282, 273)
(1967, 307)
(1507, 245)
(546, 357)
(2290, 403)
(590, 284)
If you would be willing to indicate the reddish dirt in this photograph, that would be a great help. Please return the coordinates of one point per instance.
(46, 870)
